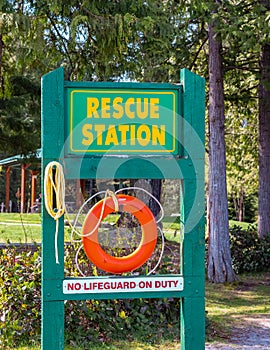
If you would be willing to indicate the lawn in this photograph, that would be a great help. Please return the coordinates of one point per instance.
(26, 228)
(228, 304)
(20, 228)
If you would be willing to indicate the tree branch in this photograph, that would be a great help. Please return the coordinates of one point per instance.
(197, 53)
(63, 41)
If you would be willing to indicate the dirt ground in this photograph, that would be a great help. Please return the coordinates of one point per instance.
(253, 333)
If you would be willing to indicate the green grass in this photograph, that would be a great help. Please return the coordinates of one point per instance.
(26, 228)
(228, 304)
(15, 217)
(25, 232)
(243, 225)
(20, 228)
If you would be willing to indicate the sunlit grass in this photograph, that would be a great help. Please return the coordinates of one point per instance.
(227, 304)
(243, 225)
(26, 228)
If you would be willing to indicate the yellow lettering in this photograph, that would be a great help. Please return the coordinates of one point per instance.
(158, 135)
(142, 113)
(92, 106)
(118, 108)
(143, 135)
(111, 136)
(87, 134)
(99, 128)
(154, 107)
(105, 107)
(132, 135)
(130, 101)
(123, 130)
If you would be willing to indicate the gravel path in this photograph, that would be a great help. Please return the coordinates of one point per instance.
(252, 334)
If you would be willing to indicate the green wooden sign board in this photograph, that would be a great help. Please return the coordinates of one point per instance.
(126, 130)
(129, 121)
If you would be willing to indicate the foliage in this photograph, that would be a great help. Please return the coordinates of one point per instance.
(85, 321)
(20, 64)
(249, 252)
(19, 297)
(104, 321)
(20, 117)
(148, 320)
(247, 203)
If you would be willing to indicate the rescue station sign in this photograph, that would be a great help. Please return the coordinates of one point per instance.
(122, 285)
(128, 121)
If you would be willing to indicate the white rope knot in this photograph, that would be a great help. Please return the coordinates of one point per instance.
(114, 198)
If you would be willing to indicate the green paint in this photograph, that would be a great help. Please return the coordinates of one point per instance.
(178, 154)
(118, 121)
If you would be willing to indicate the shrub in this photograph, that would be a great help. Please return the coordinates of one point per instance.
(104, 320)
(85, 321)
(249, 252)
(19, 297)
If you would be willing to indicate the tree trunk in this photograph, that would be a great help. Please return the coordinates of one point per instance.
(154, 186)
(264, 143)
(219, 256)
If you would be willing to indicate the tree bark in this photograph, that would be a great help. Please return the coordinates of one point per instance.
(219, 256)
(264, 143)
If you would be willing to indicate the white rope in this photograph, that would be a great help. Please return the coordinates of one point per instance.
(113, 195)
(108, 193)
(161, 253)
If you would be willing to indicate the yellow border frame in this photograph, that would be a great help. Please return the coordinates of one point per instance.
(118, 151)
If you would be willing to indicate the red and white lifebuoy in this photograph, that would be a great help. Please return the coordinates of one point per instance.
(130, 262)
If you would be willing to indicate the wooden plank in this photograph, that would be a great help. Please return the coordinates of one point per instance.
(54, 292)
(192, 323)
(192, 307)
(7, 188)
(133, 168)
(52, 144)
(52, 331)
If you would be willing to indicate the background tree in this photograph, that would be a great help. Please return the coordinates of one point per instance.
(219, 257)
(241, 135)
(264, 129)
(248, 31)
(149, 41)
(19, 89)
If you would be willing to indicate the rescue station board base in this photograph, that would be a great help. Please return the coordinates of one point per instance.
(124, 285)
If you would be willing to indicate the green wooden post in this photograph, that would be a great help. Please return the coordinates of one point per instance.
(52, 273)
(193, 308)
(185, 162)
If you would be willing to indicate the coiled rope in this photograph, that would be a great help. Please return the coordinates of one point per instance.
(54, 201)
(54, 196)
